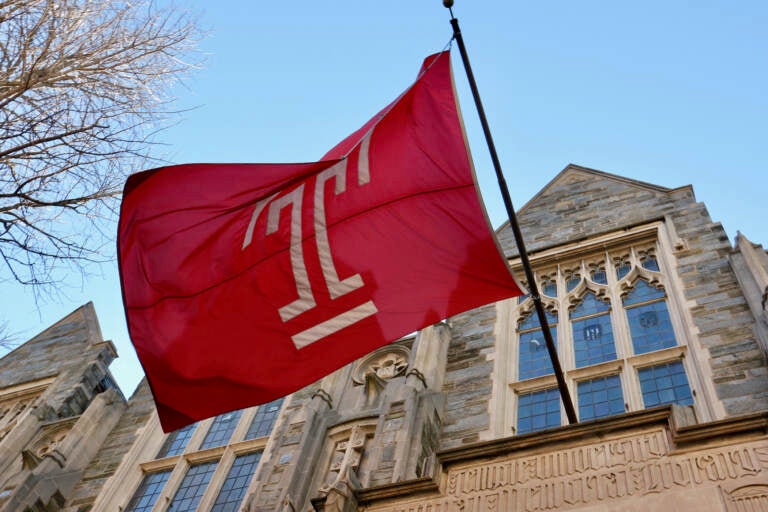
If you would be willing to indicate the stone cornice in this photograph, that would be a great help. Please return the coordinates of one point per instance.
(681, 438)
(590, 430)
(408, 488)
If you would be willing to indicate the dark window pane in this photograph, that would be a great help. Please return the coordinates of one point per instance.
(176, 441)
(192, 488)
(538, 411)
(221, 429)
(148, 491)
(534, 357)
(264, 420)
(665, 384)
(233, 488)
(600, 397)
(650, 327)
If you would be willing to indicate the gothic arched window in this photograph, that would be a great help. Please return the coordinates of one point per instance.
(649, 322)
(592, 332)
(534, 357)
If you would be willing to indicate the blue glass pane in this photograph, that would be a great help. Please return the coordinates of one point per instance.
(665, 384)
(534, 357)
(149, 489)
(233, 488)
(532, 321)
(590, 305)
(642, 292)
(176, 441)
(650, 327)
(522, 298)
(192, 487)
(572, 283)
(593, 341)
(622, 270)
(550, 289)
(600, 397)
(264, 420)
(221, 429)
(538, 411)
(650, 263)
(600, 277)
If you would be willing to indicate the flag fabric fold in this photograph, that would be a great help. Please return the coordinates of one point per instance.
(245, 282)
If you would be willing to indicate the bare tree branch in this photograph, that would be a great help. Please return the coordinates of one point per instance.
(84, 88)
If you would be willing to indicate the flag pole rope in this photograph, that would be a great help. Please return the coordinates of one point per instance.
(532, 286)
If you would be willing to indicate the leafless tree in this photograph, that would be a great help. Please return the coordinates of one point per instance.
(84, 87)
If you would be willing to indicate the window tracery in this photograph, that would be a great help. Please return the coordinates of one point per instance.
(616, 337)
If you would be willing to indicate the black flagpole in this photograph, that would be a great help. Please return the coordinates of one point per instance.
(570, 412)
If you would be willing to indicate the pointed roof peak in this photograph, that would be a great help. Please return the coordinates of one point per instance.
(86, 314)
(571, 169)
(574, 169)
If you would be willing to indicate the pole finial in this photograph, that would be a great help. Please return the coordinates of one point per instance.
(448, 3)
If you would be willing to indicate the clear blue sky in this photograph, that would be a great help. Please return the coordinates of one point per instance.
(671, 93)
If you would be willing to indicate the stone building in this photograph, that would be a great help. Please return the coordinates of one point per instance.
(661, 328)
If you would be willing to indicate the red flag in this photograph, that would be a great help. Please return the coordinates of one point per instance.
(245, 282)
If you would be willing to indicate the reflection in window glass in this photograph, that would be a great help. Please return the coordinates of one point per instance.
(221, 429)
(572, 281)
(649, 262)
(642, 292)
(538, 411)
(534, 358)
(600, 397)
(176, 441)
(622, 269)
(592, 332)
(665, 384)
(599, 276)
(233, 488)
(649, 322)
(264, 420)
(149, 489)
(192, 487)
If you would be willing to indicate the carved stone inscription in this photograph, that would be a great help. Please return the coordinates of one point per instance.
(629, 467)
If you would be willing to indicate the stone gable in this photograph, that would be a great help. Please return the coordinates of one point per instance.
(581, 202)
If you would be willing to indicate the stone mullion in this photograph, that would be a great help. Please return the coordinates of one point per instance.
(565, 342)
(505, 369)
(564, 332)
(217, 480)
(622, 339)
(171, 485)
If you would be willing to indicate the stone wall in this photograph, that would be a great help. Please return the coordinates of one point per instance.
(468, 384)
(140, 407)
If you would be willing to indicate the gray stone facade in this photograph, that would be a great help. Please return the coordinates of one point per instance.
(413, 425)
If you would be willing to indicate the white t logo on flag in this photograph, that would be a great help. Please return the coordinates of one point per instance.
(336, 288)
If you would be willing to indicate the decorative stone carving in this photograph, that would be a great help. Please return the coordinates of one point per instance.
(747, 498)
(377, 368)
(631, 467)
(345, 459)
(46, 443)
(386, 363)
(10, 412)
